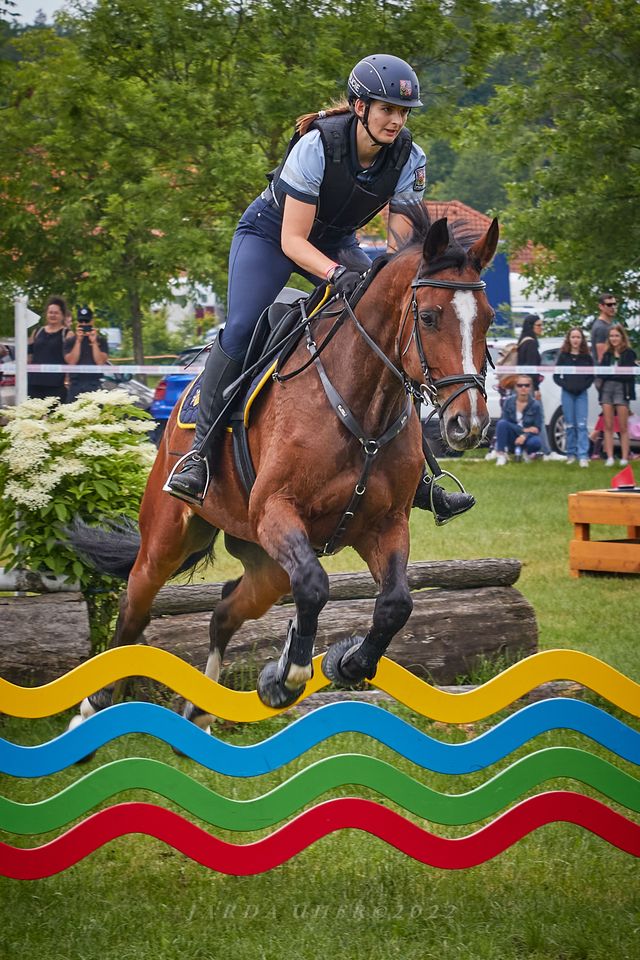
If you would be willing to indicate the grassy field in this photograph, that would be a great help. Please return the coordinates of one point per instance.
(560, 894)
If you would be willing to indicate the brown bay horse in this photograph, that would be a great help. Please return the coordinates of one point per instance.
(421, 324)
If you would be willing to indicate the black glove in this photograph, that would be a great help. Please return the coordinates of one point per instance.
(345, 281)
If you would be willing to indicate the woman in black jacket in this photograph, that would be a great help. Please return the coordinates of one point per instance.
(575, 403)
(616, 391)
(529, 356)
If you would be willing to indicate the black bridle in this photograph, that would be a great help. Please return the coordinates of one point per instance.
(428, 391)
(467, 381)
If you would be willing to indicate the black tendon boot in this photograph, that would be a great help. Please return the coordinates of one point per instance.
(190, 481)
(445, 506)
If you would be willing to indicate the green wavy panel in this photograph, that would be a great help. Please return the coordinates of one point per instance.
(306, 786)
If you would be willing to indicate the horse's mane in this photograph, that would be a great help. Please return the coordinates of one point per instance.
(461, 237)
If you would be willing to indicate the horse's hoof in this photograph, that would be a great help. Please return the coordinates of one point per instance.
(332, 666)
(272, 691)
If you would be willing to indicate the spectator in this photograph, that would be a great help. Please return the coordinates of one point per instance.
(616, 391)
(521, 425)
(86, 347)
(47, 346)
(607, 305)
(529, 356)
(574, 352)
(6, 352)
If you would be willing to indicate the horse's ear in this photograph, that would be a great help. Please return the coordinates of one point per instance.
(483, 249)
(436, 241)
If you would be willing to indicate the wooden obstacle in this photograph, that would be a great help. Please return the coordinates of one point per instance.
(416, 798)
(613, 508)
(464, 610)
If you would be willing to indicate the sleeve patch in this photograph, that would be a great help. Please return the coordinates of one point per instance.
(419, 178)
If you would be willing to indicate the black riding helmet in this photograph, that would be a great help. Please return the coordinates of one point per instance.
(386, 78)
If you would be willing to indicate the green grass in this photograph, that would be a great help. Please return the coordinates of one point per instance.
(560, 894)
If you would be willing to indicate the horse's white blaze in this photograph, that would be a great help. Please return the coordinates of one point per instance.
(464, 304)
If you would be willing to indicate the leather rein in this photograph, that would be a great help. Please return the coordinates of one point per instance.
(427, 391)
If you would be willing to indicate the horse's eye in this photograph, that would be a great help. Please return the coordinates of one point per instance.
(429, 317)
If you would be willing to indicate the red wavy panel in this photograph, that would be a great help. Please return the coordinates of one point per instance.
(312, 825)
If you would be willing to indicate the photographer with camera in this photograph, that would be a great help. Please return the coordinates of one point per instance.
(87, 347)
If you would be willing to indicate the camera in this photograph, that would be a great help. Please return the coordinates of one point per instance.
(86, 327)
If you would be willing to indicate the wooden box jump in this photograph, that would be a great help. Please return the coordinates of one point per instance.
(606, 507)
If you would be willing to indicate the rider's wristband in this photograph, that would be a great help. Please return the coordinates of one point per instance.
(329, 273)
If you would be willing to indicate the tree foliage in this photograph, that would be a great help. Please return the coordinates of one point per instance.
(569, 138)
(135, 133)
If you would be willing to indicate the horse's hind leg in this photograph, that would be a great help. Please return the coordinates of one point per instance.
(174, 536)
(386, 552)
(262, 584)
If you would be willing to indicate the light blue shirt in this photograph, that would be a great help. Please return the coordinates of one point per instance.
(303, 171)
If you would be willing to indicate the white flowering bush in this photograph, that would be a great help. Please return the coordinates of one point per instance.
(89, 459)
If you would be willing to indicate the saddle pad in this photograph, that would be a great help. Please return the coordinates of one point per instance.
(188, 409)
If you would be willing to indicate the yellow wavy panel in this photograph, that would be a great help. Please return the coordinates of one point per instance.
(168, 669)
(510, 685)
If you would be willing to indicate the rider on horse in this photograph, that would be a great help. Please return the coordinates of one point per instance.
(342, 166)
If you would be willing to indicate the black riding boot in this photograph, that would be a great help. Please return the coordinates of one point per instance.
(190, 482)
(444, 506)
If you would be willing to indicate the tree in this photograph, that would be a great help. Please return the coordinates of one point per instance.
(8, 10)
(476, 178)
(119, 190)
(149, 125)
(570, 138)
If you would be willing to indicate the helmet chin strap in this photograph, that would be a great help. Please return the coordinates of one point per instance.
(365, 123)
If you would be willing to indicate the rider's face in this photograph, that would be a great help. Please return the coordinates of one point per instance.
(385, 120)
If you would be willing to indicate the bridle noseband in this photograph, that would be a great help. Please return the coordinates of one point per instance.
(467, 381)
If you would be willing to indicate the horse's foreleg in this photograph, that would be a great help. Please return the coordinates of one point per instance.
(284, 537)
(386, 552)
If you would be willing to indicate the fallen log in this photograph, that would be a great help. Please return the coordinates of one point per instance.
(448, 633)
(452, 626)
(450, 574)
(42, 637)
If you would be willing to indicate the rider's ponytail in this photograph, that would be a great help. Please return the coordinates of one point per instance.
(304, 122)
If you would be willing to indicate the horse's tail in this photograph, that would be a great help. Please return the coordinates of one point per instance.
(113, 547)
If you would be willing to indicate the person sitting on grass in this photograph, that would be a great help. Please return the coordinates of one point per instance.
(518, 430)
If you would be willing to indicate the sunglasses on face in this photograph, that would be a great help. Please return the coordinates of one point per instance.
(611, 303)
(523, 385)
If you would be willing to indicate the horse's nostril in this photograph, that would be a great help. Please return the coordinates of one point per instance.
(459, 425)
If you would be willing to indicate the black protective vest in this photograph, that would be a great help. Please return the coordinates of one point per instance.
(344, 204)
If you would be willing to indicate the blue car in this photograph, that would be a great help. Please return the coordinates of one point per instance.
(171, 387)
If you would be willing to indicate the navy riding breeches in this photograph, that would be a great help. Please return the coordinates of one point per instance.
(258, 270)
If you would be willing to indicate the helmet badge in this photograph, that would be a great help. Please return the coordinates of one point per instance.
(406, 88)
